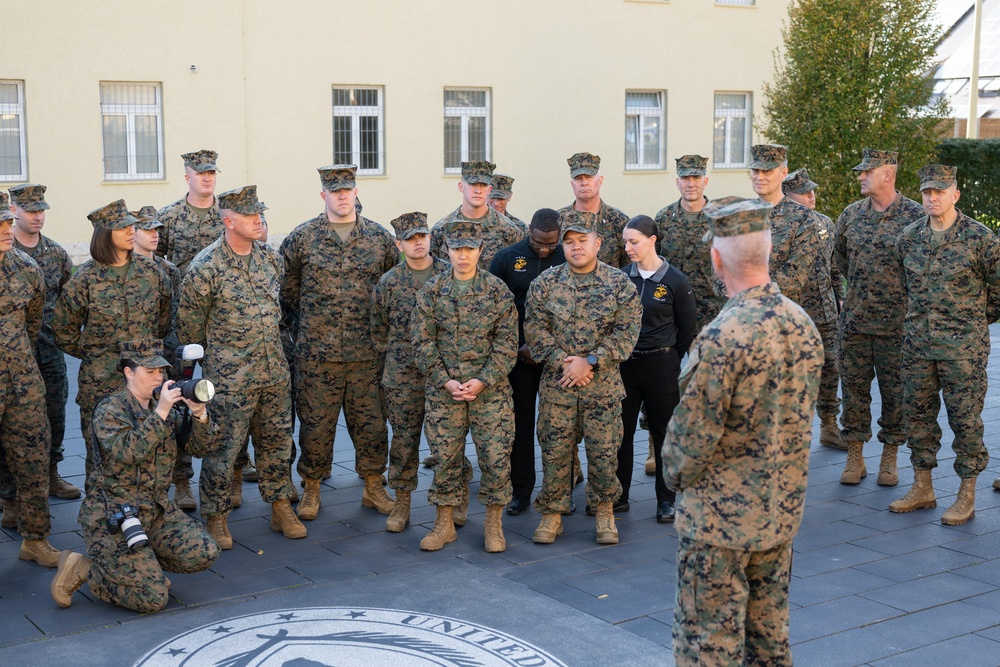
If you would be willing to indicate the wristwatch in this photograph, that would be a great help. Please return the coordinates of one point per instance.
(592, 360)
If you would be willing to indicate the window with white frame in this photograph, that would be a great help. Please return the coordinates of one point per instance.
(745, 3)
(359, 128)
(645, 130)
(13, 157)
(132, 119)
(732, 130)
(466, 127)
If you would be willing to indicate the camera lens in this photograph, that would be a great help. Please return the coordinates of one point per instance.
(135, 536)
(203, 391)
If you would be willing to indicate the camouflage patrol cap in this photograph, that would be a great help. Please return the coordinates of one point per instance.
(478, 171)
(147, 218)
(464, 234)
(733, 216)
(873, 158)
(503, 186)
(338, 177)
(410, 224)
(798, 183)
(583, 163)
(576, 221)
(691, 165)
(5, 212)
(146, 352)
(113, 216)
(937, 176)
(201, 161)
(242, 200)
(30, 197)
(768, 156)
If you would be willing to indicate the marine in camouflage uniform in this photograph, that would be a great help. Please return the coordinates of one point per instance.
(737, 450)
(581, 317)
(332, 264)
(495, 229)
(464, 336)
(823, 293)
(230, 306)
(682, 228)
(29, 206)
(135, 444)
(500, 195)
(393, 301)
(148, 221)
(606, 220)
(103, 305)
(871, 321)
(794, 239)
(24, 430)
(952, 268)
(188, 228)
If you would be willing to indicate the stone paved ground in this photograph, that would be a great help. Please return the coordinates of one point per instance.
(869, 587)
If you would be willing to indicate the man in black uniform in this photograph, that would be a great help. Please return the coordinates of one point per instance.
(517, 265)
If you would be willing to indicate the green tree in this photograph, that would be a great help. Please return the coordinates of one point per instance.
(855, 73)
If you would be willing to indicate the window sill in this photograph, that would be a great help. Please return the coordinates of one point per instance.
(141, 181)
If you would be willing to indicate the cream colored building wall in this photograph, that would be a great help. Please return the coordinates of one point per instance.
(261, 93)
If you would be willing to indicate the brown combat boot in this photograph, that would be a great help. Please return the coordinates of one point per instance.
(920, 496)
(308, 508)
(399, 517)
(59, 487)
(964, 507)
(11, 510)
(829, 434)
(182, 495)
(72, 573)
(493, 529)
(577, 468)
(218, 528)
(236, 489)
(549, 529)
(607, 532)
(888, 475)
(375, 496)
(461, 512)
(651, 459)
(443, 531)
(284, 521)
(39, 551)
(854, 469)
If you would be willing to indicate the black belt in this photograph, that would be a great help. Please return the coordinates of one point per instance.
(646, 354)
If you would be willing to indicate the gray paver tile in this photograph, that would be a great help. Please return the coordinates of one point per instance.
(845, 613)
(919, 563)
(930, 591)
(832, 585)
(967, 651)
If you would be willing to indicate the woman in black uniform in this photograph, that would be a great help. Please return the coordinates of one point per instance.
(650, 375)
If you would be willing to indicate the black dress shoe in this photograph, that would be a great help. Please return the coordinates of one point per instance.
(664, 512)
(519, 505)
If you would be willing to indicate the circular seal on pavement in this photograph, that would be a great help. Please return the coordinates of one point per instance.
(346, 636)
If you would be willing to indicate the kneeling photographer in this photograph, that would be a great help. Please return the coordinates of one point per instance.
(133, 531)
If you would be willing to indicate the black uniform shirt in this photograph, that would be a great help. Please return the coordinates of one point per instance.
(669, 314)
(517, 265)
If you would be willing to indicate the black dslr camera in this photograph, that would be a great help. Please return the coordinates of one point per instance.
(126, 519)
(194, 389)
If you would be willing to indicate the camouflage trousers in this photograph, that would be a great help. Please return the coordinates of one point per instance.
(862, 358)
(24, 445)
(56, 392)
(560, 428)
(322, 388)
(489, 419)
(404, 405)
(135, 579)
(269, 412)
(963, 384)
(828, 403)
(731, 606)
(243, 460)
